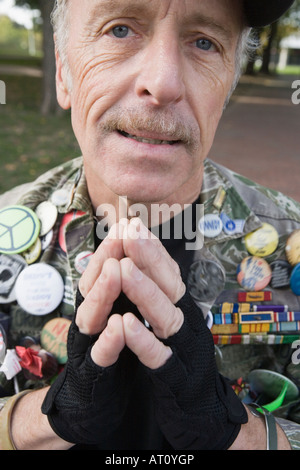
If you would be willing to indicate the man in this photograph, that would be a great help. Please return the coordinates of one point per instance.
(147, 83)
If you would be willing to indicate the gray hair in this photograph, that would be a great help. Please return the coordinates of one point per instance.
(246, 48)
(60, 23)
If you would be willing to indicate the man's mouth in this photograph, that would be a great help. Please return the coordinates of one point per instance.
(148, 141)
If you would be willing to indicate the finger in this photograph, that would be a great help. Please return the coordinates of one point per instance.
(151, 257)
(110, 343)
(151, 301)
(150, 351)
(111, 247)
(92, 314)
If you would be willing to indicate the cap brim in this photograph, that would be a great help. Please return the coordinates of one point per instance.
(264, 12)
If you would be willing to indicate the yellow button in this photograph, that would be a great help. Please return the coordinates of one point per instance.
(292, 248)
(263, 241)
(33, 253)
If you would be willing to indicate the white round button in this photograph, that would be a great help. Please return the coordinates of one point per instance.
(39, 289)
(60, 197)
(210, 225)
(47, 214)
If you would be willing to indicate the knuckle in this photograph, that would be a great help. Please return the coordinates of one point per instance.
(156, 255)
(152, 293)
(172, 324)
(178, 320)
(175, 267)
(81, 320)
(82, 287)
(151, 349)
(180, 290)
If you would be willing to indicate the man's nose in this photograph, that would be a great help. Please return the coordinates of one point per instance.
(160, 80)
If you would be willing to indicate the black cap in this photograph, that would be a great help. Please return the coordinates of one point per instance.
(264, 12)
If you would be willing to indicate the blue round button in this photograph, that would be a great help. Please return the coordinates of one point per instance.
(295, 280)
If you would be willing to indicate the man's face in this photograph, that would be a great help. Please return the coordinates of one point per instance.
(149, 82)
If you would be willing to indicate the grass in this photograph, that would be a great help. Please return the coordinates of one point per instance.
(25, 60)
(30, 143)
(290, 70)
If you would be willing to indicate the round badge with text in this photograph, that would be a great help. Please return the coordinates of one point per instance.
(254, 273)
(39, 289)
(292, 248)
(19, 229)
(210, 225)
(54, 337)
(263, 241)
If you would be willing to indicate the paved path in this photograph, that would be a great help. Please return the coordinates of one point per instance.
(259, 134)
(20, 70)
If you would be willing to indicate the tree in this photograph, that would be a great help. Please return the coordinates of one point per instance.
(267, 52)
(271, 36)
(49, 103)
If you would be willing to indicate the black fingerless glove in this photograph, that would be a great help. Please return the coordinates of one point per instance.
(196, 408)
(84, 404)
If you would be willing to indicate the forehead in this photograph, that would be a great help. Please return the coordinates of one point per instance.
(224, 13)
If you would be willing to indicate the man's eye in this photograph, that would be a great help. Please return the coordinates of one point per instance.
(121, 31)
(205, 45)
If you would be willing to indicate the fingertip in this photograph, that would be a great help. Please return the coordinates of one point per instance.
(110, 343)
(114, 325)
(132, 322)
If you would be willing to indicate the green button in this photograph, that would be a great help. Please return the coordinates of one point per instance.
(19, 229)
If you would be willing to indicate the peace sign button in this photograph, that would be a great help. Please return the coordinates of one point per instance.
(19, 229)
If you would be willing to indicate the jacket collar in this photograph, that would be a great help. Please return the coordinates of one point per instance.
(234, 206)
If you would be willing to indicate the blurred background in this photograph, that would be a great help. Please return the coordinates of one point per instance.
(259, 134)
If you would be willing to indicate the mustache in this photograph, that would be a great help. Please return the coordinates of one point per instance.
(168, 124)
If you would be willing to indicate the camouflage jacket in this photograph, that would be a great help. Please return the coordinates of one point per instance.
(244, 201)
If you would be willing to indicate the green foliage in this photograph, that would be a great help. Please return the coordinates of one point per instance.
(290, 22)
(30, 3)
(30, 143)
(14, 39)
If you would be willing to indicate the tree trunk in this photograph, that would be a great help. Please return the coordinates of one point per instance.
(49, 102)
(250, 67)
(265, 68)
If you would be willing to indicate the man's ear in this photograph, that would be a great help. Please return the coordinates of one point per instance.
(63, 93)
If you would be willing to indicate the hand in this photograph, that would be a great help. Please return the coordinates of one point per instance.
(195, 406)
(86, 401)
(131, 260)
(93, 380)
